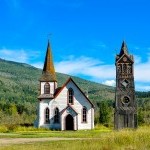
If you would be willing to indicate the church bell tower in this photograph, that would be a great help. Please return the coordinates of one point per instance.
(125, 103)
(48, 81)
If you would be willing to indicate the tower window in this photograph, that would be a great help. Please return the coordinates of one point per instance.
(84, 115)
(70, 96)
(129, 69)
(126, 100)
(124, 68)
(46, 88)
(56, 116)
(47, 115)
(119, 69)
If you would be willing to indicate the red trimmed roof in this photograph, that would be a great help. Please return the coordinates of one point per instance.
(70, 79)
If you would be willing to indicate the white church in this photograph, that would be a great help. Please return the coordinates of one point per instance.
(62, 108)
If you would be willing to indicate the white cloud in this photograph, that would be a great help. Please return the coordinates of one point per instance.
(14, 55)
(109, 82)
(137, 59)
(18, 55)
(142, 87)
(86, 66)
(99, 71)
(38, 65)
(92, 68)
(142, 72)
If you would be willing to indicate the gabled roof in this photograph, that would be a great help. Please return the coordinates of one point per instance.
(70, 79)
(130, 58)
(46, 96)
(68, 106)
(124, 52)
(48, 73)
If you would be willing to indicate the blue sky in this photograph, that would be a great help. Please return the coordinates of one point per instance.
(86, 35)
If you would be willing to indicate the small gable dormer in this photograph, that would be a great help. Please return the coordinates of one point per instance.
(124, 62)
(48, 81)
(124, 55)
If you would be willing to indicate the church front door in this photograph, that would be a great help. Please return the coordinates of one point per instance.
(69, 122)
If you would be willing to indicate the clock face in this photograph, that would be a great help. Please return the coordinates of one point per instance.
(124, 59)
(126, 100)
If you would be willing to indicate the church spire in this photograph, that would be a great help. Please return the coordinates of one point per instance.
(48, 73)
(124, 49)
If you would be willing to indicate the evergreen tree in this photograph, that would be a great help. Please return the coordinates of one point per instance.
(104, 113)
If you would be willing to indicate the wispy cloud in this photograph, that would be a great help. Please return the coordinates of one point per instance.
(109, 82)
(87, 66)
(38, 65)
(93, 69)
(98, 71)
(19, 55)
(142, 87)
(137, 59)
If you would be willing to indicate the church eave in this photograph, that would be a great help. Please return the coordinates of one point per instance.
(70, 79)
(47, 77)
(130, 57)
(69, 106)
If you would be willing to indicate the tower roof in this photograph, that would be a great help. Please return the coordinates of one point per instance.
(124, 49)
(48, 73)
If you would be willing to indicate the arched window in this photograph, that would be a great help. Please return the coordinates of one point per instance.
(84, 114)
(56, 116)
(129, 69)
(47, 115)
(119, 69)
(70, 96)
(124, 68)
(46, 88)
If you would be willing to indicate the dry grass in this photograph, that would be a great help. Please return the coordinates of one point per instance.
(116, 140)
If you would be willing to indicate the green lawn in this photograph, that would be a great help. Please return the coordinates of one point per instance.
(30, 132)
(101, 139)
(68, 134)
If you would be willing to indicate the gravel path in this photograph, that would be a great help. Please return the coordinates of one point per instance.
(8, 141)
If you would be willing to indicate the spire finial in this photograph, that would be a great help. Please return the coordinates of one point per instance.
(48, 45)
(124, 49)
(49, 37)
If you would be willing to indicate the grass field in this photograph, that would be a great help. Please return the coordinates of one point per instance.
(102, 138)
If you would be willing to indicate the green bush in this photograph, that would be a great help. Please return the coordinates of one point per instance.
(3, 129)
(26, 129)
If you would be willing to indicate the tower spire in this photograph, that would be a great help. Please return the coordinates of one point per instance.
(48, 73)
(124, 49)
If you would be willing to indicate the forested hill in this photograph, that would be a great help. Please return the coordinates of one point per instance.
(19, 83)
(19, 90)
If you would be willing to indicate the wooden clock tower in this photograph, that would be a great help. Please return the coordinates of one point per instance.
(125, 103)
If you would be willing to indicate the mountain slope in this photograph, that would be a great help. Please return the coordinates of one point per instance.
(19, 83)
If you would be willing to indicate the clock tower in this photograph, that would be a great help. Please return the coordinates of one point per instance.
(125, 103)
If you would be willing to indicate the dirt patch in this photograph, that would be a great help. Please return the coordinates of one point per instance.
(9, 141)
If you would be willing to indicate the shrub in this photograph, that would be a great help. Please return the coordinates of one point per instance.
(3, 129)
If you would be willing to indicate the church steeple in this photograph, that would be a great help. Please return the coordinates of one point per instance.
(124, 49)
(48, 73)
(125, 103)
